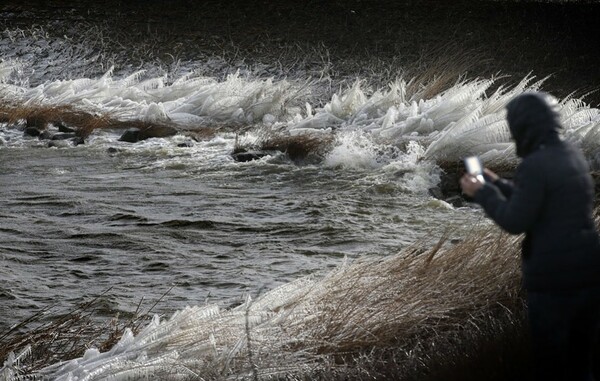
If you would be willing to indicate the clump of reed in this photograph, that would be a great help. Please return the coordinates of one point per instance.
(34, 116)
(84, 123)
(40, 116)
(441, 67)
(301, 148)
(49, 336)
(427, 310)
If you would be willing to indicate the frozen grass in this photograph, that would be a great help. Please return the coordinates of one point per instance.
(424, 311)
(449, 311)
(50, 336)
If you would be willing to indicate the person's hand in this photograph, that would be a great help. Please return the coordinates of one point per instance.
(492, 176)
(470, 185)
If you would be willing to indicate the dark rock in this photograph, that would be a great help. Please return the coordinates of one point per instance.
(456, 201)
(134, 135)
(131, 135)
(185, 144)
(436, 192)
(31, 131)
(112, 150)
(63, 128)
(245, 156)
(58, 143)
(45, 135)
(157, 132)
(64, 136)
(63, 142)
(37, 122)
(77, 140)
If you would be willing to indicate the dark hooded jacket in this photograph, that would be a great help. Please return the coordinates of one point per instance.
(551, 201)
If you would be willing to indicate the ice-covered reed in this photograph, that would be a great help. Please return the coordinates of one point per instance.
(324, 324)
(466, 118)
(190, 100)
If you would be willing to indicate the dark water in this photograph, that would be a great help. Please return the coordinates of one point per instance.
(131, 225)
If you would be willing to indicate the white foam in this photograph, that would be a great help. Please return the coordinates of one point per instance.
(353, 150)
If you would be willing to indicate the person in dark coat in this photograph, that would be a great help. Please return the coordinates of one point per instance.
(551, 200)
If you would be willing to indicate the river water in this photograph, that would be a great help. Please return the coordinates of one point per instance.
(79, 222)
(131, 222)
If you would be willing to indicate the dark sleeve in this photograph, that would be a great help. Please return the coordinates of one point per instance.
(505, 187)
(517, 213)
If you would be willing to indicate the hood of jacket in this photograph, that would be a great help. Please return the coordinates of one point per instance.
(532, 122)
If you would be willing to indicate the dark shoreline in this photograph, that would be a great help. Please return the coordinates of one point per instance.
(559, 39)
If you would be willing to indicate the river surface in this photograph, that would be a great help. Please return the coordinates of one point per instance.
(152, 218)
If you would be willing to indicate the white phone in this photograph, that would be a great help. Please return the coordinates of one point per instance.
(474, 167)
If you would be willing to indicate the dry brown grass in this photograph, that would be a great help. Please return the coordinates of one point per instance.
(40, 116)
(440, 68)
(300, 148)
(434, 308)
(303, 148)
(56, 336)
(418, 293)
(83, 122)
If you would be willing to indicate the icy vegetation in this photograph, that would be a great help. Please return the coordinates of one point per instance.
(298, 329)
(462, 120)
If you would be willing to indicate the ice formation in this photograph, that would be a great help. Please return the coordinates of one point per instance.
(465, 119)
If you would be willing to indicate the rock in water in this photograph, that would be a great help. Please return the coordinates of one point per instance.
(45, 135)
(131, 135)
(63, 128)
(244, 156)
(63, 136)
(134, 135)
(36, 122)
(31, 131)
(58, 144)
(77, 140)
(157, 132)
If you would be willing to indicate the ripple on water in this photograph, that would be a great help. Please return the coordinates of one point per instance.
(214, 228)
